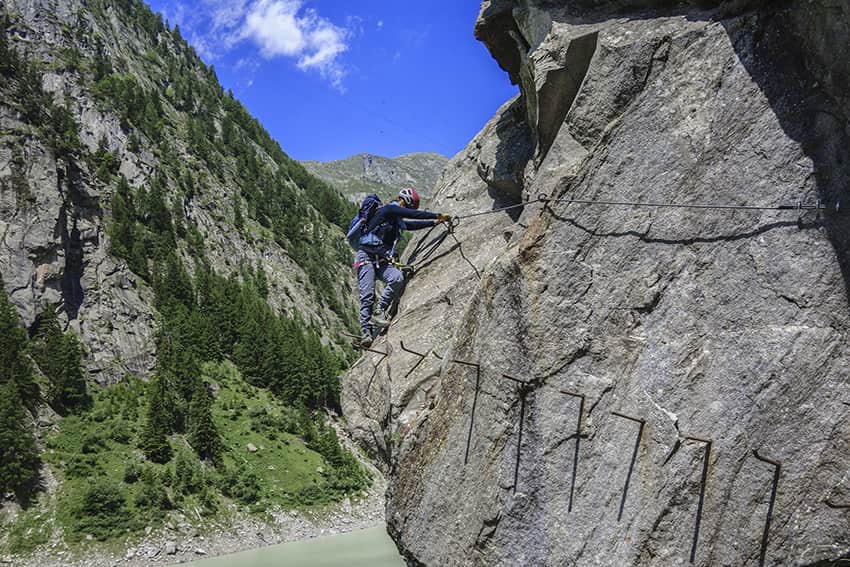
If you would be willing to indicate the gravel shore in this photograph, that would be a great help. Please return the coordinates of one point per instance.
(184, 542)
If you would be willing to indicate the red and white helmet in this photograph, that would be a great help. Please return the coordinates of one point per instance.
(410, 197)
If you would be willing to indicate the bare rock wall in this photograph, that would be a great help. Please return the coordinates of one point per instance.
(722, 325)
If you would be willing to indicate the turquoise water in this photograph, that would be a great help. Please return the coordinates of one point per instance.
(364, 548)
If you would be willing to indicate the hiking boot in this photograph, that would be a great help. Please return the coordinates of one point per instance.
(366, 340)
(380, 319)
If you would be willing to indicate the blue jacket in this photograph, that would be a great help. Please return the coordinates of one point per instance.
(386, 226)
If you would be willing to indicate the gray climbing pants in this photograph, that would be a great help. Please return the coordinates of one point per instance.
(367, 269)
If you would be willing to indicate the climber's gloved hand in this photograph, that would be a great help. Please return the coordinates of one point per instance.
(444, 218)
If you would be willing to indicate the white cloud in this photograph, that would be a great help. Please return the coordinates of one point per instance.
(354, 25)
(203, 47)
(225, 14)
(380, 24)
(246, 64)
(273, 26)
(176, 15)
(277, 28)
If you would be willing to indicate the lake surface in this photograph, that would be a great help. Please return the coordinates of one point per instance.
(363, 548)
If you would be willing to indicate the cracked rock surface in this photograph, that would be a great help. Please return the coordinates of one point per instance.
(722, 325)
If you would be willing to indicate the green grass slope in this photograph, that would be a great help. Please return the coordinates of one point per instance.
(110, 493)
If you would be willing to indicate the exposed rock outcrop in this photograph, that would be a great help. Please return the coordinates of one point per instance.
(55, 251)
(723, 325)
(361, 174)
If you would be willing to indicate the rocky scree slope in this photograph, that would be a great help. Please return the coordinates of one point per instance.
(725, 325)
(361, 174)
(142, 106)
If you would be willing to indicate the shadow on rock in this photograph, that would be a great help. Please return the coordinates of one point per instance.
(503, 168)
(790, 55)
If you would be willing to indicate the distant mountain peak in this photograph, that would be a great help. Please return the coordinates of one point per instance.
(364, 173)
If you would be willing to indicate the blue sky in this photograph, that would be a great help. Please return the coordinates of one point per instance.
(331, 78)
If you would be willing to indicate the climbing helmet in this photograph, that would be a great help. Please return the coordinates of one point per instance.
(410, 197)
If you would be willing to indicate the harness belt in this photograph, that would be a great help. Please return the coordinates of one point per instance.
(372, 259)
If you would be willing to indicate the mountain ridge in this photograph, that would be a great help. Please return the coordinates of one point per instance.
(364, 173)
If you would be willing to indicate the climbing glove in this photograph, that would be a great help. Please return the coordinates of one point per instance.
(444, 218)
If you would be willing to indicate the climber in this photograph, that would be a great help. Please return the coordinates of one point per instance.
(375, 254)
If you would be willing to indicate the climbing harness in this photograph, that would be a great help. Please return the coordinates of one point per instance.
(375, 260)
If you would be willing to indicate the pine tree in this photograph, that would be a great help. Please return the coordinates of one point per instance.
(203, 433)
(46, 346)
(226, 129)
(221, 306)
(157, 214)
(150, 120)
(159, 423)
(238, 219)
(173, 286)
(138, 260)
(152, 495)
(297, 364)
(178, 217)
(59, 357)
(29, 92)
(121, 229)
(176, 361)
(19, 461)
(262, 282)
(15, 367)
(187, 473)
(101, 510)
(73, 394)
(7, 55)
(275, 365)
(203, 284)
(249, 352)
(200, 338)
(106, 162)
(65, 134)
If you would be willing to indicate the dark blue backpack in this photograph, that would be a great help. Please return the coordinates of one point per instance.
(358, 227)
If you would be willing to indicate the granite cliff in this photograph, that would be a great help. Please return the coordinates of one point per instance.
(639, 334)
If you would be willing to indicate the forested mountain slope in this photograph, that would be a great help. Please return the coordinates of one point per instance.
(173, 288)
(122, 152)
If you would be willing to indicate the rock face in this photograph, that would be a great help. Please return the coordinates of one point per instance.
(54, 211)
(55, 248)
(359, 175)
(693, 325)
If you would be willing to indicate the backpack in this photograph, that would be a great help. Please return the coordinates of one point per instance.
(357, 229)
